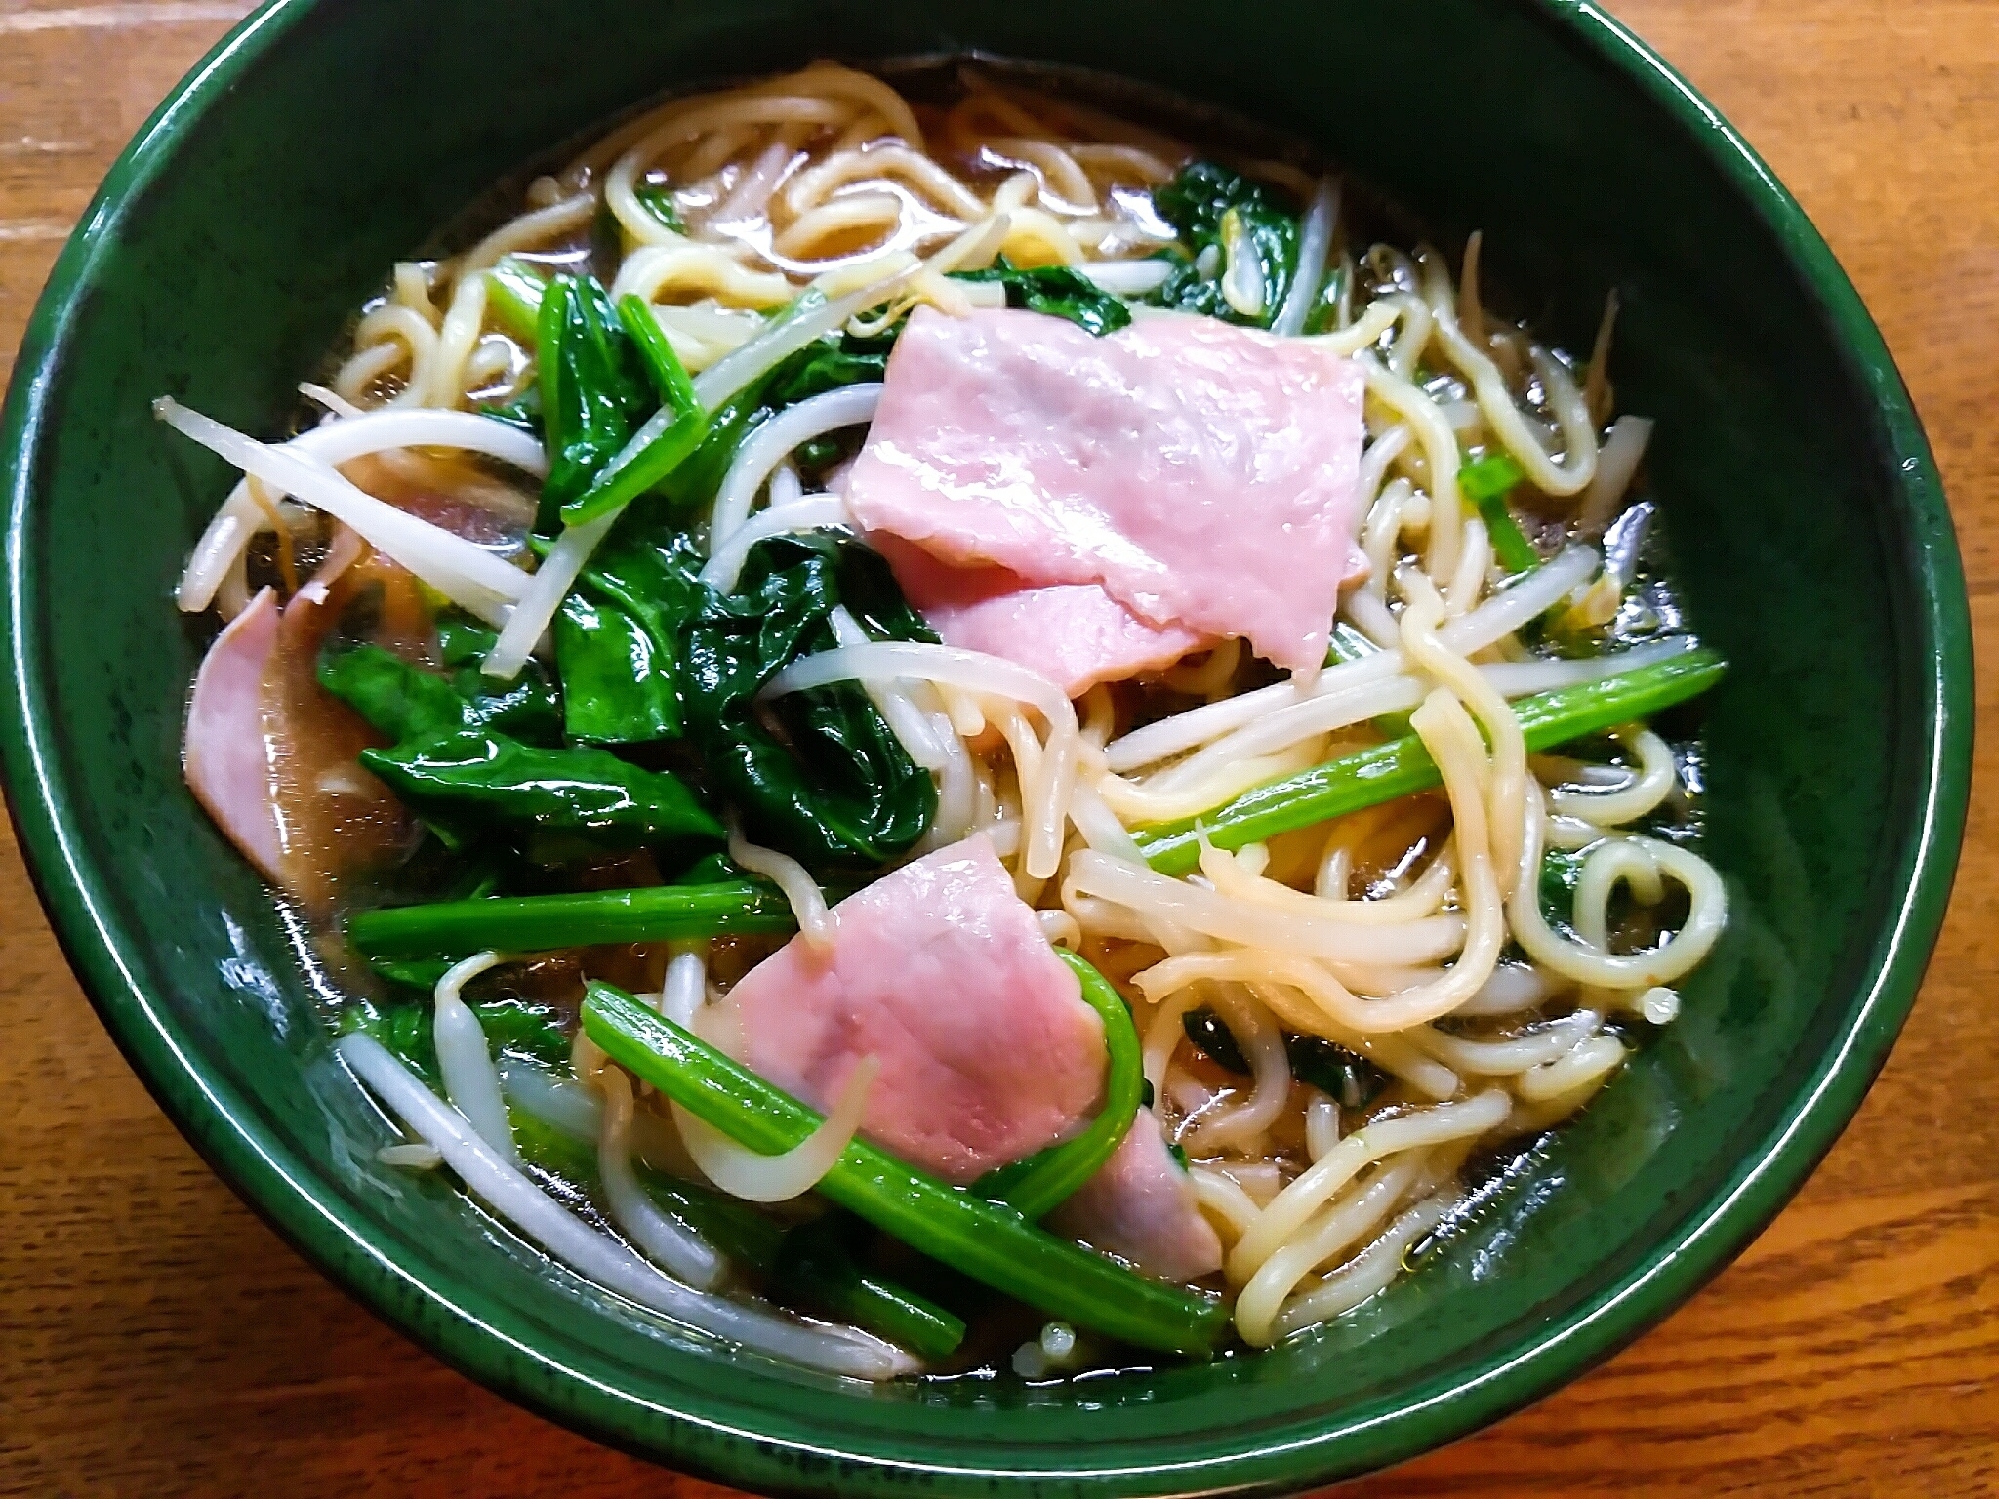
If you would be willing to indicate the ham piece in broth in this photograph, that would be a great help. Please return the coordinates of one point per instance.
(987, 1052)
(1141, 1207)
(1203, 475)
(941, 973)
(270, 753)
(1074, 634)
(226, 757)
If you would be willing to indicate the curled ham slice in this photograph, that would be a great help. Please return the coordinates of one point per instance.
(225, 757)
(1141, 1207)
(1074, 634)
(938, 970)
(271, 755)
(1204, 476)
(986, 1051)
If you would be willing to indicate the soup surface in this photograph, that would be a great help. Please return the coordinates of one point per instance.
(925, 727)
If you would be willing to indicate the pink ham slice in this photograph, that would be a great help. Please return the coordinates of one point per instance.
(1204, 475)
(1074, 634)
(1141, 1207)
(271, 755)
(227, 757)
(938, 970)
(987, 1051)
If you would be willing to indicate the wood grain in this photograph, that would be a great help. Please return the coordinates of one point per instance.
(156, 1339)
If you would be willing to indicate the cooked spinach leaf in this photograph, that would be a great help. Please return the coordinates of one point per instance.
(1349, 1080)
(555, 805)
(617, 410)
(817, 774)
(1220, 214)
(657, 199)
(1058, 290)
(594, 391)
(514, 291)
(667, 437)
(617, 681)
(407, 702)
(825, 365)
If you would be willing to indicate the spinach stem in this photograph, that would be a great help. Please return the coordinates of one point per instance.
(1046, 1179)
(544, 923)
(992, 1243)
(1402, 766)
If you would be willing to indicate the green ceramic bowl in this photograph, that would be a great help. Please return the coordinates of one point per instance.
(322, 140)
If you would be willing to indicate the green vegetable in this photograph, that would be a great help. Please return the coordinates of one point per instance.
(1486, 484)
(545, 923)
(511, 1025)
(1199, 204)
(1560, 868)
(806, 1264)
(824, 365)
(617, 683)
(594, 392)
(1058, 290)
(814, 1267)
(462, 640)
(1037, 1185)
(830, 784)
(412, 973)
(657, 200)
(524, 411)
(616, 639)
(827, 365)
(1325, 314)
(662, 444)
(404, 1029)
(655, 578)
(1348, 644)
(1211, 1036)
(529, 708)
(457, 765)
(618, 411)
(407, 702)
(989, 1242)
(402, 701)
(1403, 766)
(514, 290)
(1349, 1080)
(554, 804)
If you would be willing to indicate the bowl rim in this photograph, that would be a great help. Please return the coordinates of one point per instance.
(200, 1100)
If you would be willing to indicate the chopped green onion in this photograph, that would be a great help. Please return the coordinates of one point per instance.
(992, 1243)
(514, 291)
(1403, 766)
(1039, 1184)
(657, 200)
(1348, 644)
(1486, 484)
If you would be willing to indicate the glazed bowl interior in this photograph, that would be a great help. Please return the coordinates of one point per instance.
(326, 140)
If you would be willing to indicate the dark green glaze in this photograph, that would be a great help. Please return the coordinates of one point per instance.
(266, 198)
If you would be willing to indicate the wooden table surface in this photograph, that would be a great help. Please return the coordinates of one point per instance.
(155, 1338)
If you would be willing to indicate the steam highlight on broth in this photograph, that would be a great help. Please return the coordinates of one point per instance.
(955, 673)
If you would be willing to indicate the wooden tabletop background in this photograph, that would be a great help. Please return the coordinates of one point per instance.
(155, 1338)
